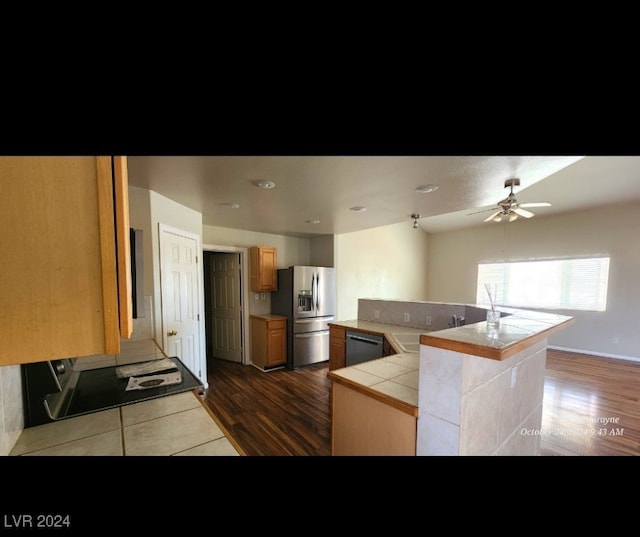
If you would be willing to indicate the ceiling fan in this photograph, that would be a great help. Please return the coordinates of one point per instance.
(509, 209)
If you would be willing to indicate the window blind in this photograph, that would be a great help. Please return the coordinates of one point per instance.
(579, 284)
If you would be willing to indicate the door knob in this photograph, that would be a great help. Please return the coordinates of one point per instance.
(172, 333)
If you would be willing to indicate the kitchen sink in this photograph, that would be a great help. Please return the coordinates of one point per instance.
(407, 341)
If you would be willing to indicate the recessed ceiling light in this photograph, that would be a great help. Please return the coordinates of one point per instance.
(313, 221)
(264, 184)
(231, 205)
(425, 189)
(358, 209)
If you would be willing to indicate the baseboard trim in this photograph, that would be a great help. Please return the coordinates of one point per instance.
(603, 354)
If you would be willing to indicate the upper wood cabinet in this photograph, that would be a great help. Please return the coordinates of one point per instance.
(65, 281)
(264, 275)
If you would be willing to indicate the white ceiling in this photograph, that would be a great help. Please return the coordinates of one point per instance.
(325, 187)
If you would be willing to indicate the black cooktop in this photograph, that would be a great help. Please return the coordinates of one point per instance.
(100, 389)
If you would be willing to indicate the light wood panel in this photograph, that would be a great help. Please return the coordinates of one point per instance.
(264, 275)
(362, 425)
(58, 295)
(108, 256)
(337, 347)
(123, 244)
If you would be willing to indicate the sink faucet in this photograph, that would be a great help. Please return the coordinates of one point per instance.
(456, 321)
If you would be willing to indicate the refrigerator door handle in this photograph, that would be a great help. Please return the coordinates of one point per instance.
(317, 292)
(308, 335)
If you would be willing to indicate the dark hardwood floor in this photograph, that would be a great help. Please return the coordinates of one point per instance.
(280, 412)
(285, 412)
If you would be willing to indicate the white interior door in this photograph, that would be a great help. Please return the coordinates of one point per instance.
(226, 306)
(180, 304)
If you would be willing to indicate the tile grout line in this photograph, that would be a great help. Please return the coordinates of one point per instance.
(171, 413)
(223, 437)
(216, 420)
(65, 442)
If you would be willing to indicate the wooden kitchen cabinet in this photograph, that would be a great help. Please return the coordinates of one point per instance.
(268, 340)
(337, 347)
(65, 285)
(264, 275)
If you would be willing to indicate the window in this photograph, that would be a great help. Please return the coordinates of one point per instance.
(573, 284)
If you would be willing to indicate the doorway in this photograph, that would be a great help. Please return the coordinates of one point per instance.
(224, 301)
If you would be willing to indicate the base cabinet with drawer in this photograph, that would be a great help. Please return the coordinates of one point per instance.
(337, 347)
(268, 340)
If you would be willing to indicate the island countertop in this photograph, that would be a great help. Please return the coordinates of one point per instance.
(518, 330)
(394, 379)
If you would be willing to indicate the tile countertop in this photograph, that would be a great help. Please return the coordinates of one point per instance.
(177, 424)
(394, 379)
(376, 328)
(518, 330)
(131, 351)
(268, 316)
(389, 331)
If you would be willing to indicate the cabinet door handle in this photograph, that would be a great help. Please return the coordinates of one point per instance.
(172, 333)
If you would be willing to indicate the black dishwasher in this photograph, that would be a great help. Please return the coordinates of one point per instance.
(362, 347)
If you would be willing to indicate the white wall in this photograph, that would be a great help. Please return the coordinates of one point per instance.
(612, 230)
(289, 250)
(385, 262)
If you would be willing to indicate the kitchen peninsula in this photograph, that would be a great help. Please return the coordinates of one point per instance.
(474, 388)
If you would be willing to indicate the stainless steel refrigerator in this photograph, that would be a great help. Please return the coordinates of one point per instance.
(307, 297)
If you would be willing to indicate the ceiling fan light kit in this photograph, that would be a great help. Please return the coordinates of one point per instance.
(509, 209)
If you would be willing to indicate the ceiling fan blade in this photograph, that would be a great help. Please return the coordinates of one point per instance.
(535, 204)
(484, 210)
(492, 216)
(522, 212)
